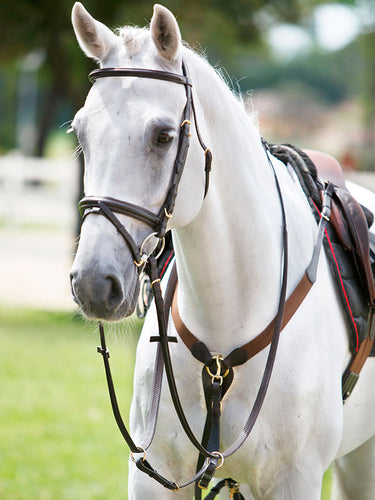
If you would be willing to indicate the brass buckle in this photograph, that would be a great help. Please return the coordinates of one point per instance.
(217, 376)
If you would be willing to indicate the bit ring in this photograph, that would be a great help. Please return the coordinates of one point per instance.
(141, 450)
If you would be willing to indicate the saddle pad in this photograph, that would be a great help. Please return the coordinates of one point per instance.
(342, 260)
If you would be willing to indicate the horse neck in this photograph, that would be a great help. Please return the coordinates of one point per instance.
(229, 257)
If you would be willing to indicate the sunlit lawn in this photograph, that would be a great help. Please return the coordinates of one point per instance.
(58, 439)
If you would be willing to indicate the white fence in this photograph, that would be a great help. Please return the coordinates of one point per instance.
(43, 192)
(38, 191)
(37, 222)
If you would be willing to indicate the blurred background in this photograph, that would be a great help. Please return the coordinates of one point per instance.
(305, 68)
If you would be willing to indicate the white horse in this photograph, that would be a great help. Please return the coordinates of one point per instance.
(228, 250)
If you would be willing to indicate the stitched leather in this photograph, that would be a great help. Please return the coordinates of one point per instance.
(139, 73)
(120, 207)
(355, 227)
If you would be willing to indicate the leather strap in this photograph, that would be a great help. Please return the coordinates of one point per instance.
(160, 310)
(139, 73)
(108, 206)
(120, 207)
(146, 467)
(157, 222)
(242, 354)
(362, 355)
(116, 411)
(351, 375)
(253, 347)
(104, 210)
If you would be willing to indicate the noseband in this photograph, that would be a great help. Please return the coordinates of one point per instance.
(108, 206)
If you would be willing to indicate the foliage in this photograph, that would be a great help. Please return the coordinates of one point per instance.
(33, 24)
(231, 31)
(330, 74)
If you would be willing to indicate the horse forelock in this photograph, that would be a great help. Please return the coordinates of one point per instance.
(133, 38)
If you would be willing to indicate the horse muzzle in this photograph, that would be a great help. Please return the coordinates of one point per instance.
(102, 294)
(104, 280)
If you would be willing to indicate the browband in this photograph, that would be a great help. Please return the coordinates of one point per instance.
(140, 73)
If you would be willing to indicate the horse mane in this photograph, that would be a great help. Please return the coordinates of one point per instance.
(222, 95)
(135, 38)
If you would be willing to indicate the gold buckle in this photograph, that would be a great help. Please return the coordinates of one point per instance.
(220, 457)
(167, 214)
(142, 261)
(218, 358)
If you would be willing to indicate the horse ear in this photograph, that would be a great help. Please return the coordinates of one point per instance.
(94, 38)
(165, 32)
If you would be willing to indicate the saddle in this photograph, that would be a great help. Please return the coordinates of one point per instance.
(351, 227)
(350, 252)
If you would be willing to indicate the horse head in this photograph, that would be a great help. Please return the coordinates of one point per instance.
(129, 131)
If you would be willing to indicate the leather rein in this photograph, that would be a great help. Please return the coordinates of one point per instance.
(217, 373)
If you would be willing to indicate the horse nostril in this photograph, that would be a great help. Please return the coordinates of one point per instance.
(73, 276)
(112, 292)
(99, 295)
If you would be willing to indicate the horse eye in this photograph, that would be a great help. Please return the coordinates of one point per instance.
(164, 138)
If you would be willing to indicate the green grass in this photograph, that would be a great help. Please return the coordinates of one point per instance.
(327, 481)
(58, 438)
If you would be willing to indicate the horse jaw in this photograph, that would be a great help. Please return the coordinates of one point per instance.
(94, 38)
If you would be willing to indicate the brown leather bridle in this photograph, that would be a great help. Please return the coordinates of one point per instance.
(108, 206)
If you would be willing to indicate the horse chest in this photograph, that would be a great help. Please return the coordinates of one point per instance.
(281, 427)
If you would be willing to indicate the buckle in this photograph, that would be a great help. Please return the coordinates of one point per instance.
(219, 365)
(213, 465)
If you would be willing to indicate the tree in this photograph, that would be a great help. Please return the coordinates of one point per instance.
(228, 29)
(218, 24)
